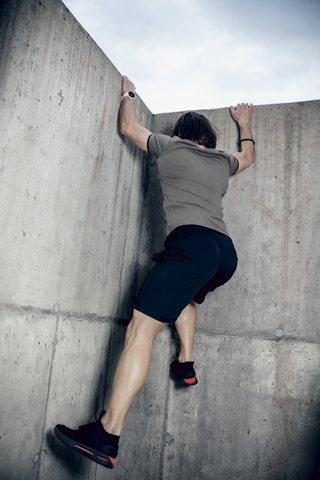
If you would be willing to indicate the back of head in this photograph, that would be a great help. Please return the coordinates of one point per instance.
(196, 128)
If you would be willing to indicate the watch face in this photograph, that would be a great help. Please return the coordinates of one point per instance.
(131, 94)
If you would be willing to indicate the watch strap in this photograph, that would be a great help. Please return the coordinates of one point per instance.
(130, 95)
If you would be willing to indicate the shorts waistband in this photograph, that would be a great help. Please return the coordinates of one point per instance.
(176, 231)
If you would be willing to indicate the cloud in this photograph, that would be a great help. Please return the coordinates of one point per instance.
(195, 54)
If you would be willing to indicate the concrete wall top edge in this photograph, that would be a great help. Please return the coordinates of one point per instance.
(256, 106)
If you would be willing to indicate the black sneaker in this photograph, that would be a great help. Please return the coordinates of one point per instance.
(183, 373)
(92, 441)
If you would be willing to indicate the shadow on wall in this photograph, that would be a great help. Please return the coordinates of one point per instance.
(75, 465)
(312, 436)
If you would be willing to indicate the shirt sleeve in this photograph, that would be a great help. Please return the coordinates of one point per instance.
(157, 143)
(234, 165)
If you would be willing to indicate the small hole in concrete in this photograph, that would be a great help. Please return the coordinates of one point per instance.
(279, 332)
(56, 307)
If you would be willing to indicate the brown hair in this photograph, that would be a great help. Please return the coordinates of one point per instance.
(197, 128)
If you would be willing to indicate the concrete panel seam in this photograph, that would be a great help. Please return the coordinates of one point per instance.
(164, 429)
(55, 342)
(26, 308)
(91, 317)
(261, 335)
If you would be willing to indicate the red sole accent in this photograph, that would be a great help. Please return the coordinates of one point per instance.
(112, 460)
(190, 381)
(81, 448)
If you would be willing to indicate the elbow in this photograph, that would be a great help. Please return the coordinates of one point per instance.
(127, 128)
(123, 129)
(249, 158)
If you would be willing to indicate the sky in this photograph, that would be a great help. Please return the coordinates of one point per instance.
(204, 54)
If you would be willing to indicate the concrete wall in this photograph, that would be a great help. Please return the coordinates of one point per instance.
(256, 412)
(80, 218)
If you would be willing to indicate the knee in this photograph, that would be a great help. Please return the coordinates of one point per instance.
(132, 331)
(189, 311)
(191, 308)
(142, 328)
(133, 336)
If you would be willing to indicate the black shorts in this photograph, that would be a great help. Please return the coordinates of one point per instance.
(196, 260)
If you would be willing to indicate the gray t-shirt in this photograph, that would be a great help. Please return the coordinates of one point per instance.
(193, 181)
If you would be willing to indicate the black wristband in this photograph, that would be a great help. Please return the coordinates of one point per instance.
(245, 140)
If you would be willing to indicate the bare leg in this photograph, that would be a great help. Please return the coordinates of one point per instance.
(186, 325)
(132, 370)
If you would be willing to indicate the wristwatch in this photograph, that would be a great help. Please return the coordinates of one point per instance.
(130, 95)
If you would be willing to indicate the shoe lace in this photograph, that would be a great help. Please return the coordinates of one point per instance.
(90, 427)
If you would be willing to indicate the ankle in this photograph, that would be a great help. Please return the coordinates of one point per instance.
(109, 426)
(185, 358)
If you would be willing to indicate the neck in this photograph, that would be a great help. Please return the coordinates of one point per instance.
(201, 146)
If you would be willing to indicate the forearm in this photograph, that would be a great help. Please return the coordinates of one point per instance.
(247, 147)
(127, 117)
(244, 129)
(241, 114)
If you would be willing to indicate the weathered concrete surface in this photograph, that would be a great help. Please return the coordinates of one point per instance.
(255, 414)
(81, 353)
(42, 357)
(80, 218)
(72, 192)
(26, 349)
